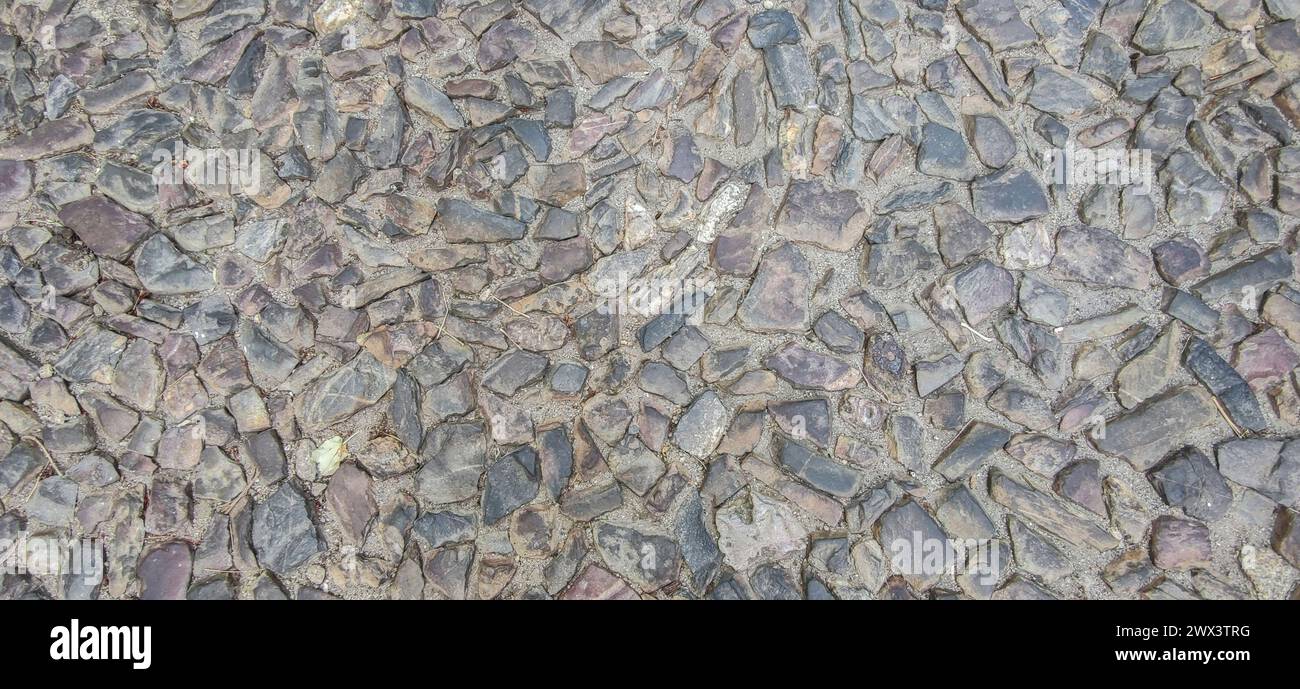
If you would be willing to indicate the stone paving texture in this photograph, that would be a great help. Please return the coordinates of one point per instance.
(651, 298)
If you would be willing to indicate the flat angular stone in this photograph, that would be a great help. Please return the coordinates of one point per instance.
(163, 269)
(753, 528)
(808, 369)
(1011, 195)
(91, 356)
(960, 234)
(1258, 273)
(1045, 512)
(601, 61)
(701, 428)
(916, 544)
(992, 140)
(813, 213)
(1225, 383)
(1180, 261)
(649, 560)
(699, 549)
(453, 457)
(165, 572)
(1268, 466)
(1180, 544)
(1155, 428)
(513, 371)
(970, 449)
(1188, 479)
(424, 97)
(461, 221)
(817, 471)
(53, 502)
(105, 227)
(597, 583)
(943, 153)
(981, 289)
(1171, 25)
(1152, 371)
(789, 75)
(50, 138)
(590, 503)
(218, 477)
(1193, 194)
(770, 27)
(778, 299)
(355, 386)
(1062, 93)
(512, 482)
(996, 22)
(1097, 257)
(283, 534)
(634, 465)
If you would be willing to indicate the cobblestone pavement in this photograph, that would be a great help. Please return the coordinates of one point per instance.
(649, 299)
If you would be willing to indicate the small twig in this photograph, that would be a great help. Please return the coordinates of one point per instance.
(1224, 412)
(229, 507)
(442, 330)
(978, 334)
(503, 303)
(512, 340)
(48, 457)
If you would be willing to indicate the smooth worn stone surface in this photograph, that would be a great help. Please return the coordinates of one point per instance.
(1012, 195)
(1189, 480)
(830, 219)
(284, 536)
(778, 299)
(578, 299)
(1047, 513)
(1224, 383)
(806, 368)
(1179, 544)
(1146, 434)
(701, 428)
(1097, 257)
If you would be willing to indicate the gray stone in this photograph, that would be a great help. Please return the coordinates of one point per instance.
(808, 369)
(701, 428)
(1097, 257)
(1224, 383)
(1048, 514)
(453, 457)
(461, 221)
(818, 471)
(969, 450)
(649, 560)
(778, 299)
(1188, 479)
(817, 215)
(1010, 195)
(1171, 25)
(512, 482)
(284, 536)
(601, 61)
(355, 386)
(1148, 433)
(1180, 544)
(943, 153)
(1268, 466)
(996, 22)
(165, 572)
